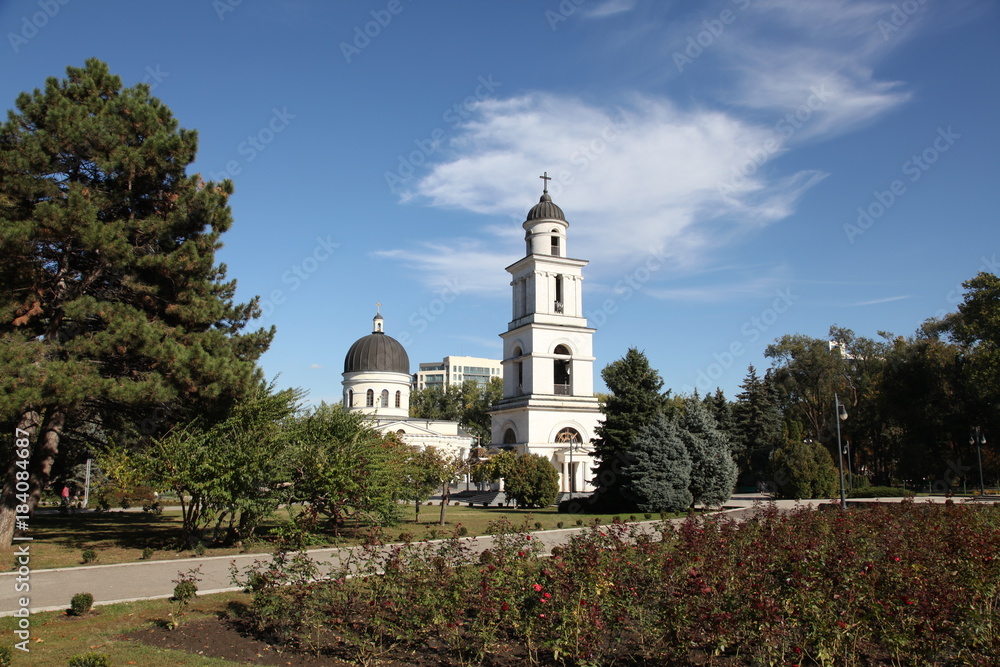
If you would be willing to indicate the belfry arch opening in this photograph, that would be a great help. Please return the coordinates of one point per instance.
(519, 370)
(561, 379)
(555, 243)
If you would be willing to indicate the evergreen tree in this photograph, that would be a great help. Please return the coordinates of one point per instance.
(757, 428)
(722, 412)
(635, 400)
(713, 472)
(660, 473)
(111, 304)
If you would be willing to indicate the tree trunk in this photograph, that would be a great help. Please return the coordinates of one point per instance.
(8, 501)
(445, 499)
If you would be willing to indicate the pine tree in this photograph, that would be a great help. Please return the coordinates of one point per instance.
(658, 478)
(757, 427)
(713, 472)
(111, 304)
(635, 400)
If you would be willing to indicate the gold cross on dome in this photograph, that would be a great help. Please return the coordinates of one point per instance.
(545, 179)
(378, 305)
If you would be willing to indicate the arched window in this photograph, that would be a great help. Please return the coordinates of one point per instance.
(561, 373)
(385, 398)
(370, 398)
(569, 436)
(555, 242)
(509, 438)
(399, 399)
(520, 371)
(350, 398)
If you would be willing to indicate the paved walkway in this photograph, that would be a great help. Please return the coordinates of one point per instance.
(51, 590)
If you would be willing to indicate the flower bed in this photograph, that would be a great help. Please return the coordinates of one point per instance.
(906, 583)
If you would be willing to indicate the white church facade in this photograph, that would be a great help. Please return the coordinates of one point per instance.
(377, 383)
(548, 404)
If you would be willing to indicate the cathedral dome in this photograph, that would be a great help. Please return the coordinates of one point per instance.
(545, 209)
(377, 352)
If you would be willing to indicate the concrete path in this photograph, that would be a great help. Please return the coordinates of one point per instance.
(51, 590)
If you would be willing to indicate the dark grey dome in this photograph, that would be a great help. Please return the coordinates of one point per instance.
(377, 352)
(545, 210)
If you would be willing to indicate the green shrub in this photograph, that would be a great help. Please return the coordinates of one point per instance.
(146, 554)
(5, 655)
(804, 470)
(559, 524)
(81, 603)
(199, 549)
(89, 556)
(880, 492)
(538, 525)
(647, 516)
(90, 660)
(579, 522)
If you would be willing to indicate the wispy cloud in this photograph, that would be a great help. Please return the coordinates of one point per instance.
(885, 300)
(610, 8)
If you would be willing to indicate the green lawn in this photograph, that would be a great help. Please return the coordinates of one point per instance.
(120, 537)
(56, 636)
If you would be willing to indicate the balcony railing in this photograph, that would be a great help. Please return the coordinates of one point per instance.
(563, 389)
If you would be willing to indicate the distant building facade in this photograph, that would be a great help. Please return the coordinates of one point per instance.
(453, 370)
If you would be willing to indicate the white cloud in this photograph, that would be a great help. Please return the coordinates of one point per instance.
(885, 300)
(643, 173)
(610, 8)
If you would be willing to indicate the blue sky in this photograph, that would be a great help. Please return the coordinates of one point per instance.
(734, 170)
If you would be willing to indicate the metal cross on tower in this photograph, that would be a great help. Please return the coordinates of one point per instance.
(545, 179)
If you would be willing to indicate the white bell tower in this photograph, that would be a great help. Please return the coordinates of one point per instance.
(548, 404)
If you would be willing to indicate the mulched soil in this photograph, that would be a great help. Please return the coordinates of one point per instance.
(224, 637)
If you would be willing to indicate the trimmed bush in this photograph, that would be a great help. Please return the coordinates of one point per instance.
(88, 556)
(81, 603)
(90, 660)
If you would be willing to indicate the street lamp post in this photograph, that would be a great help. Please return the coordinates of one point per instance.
(978, 439)
(841, 413)
(850, 471)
